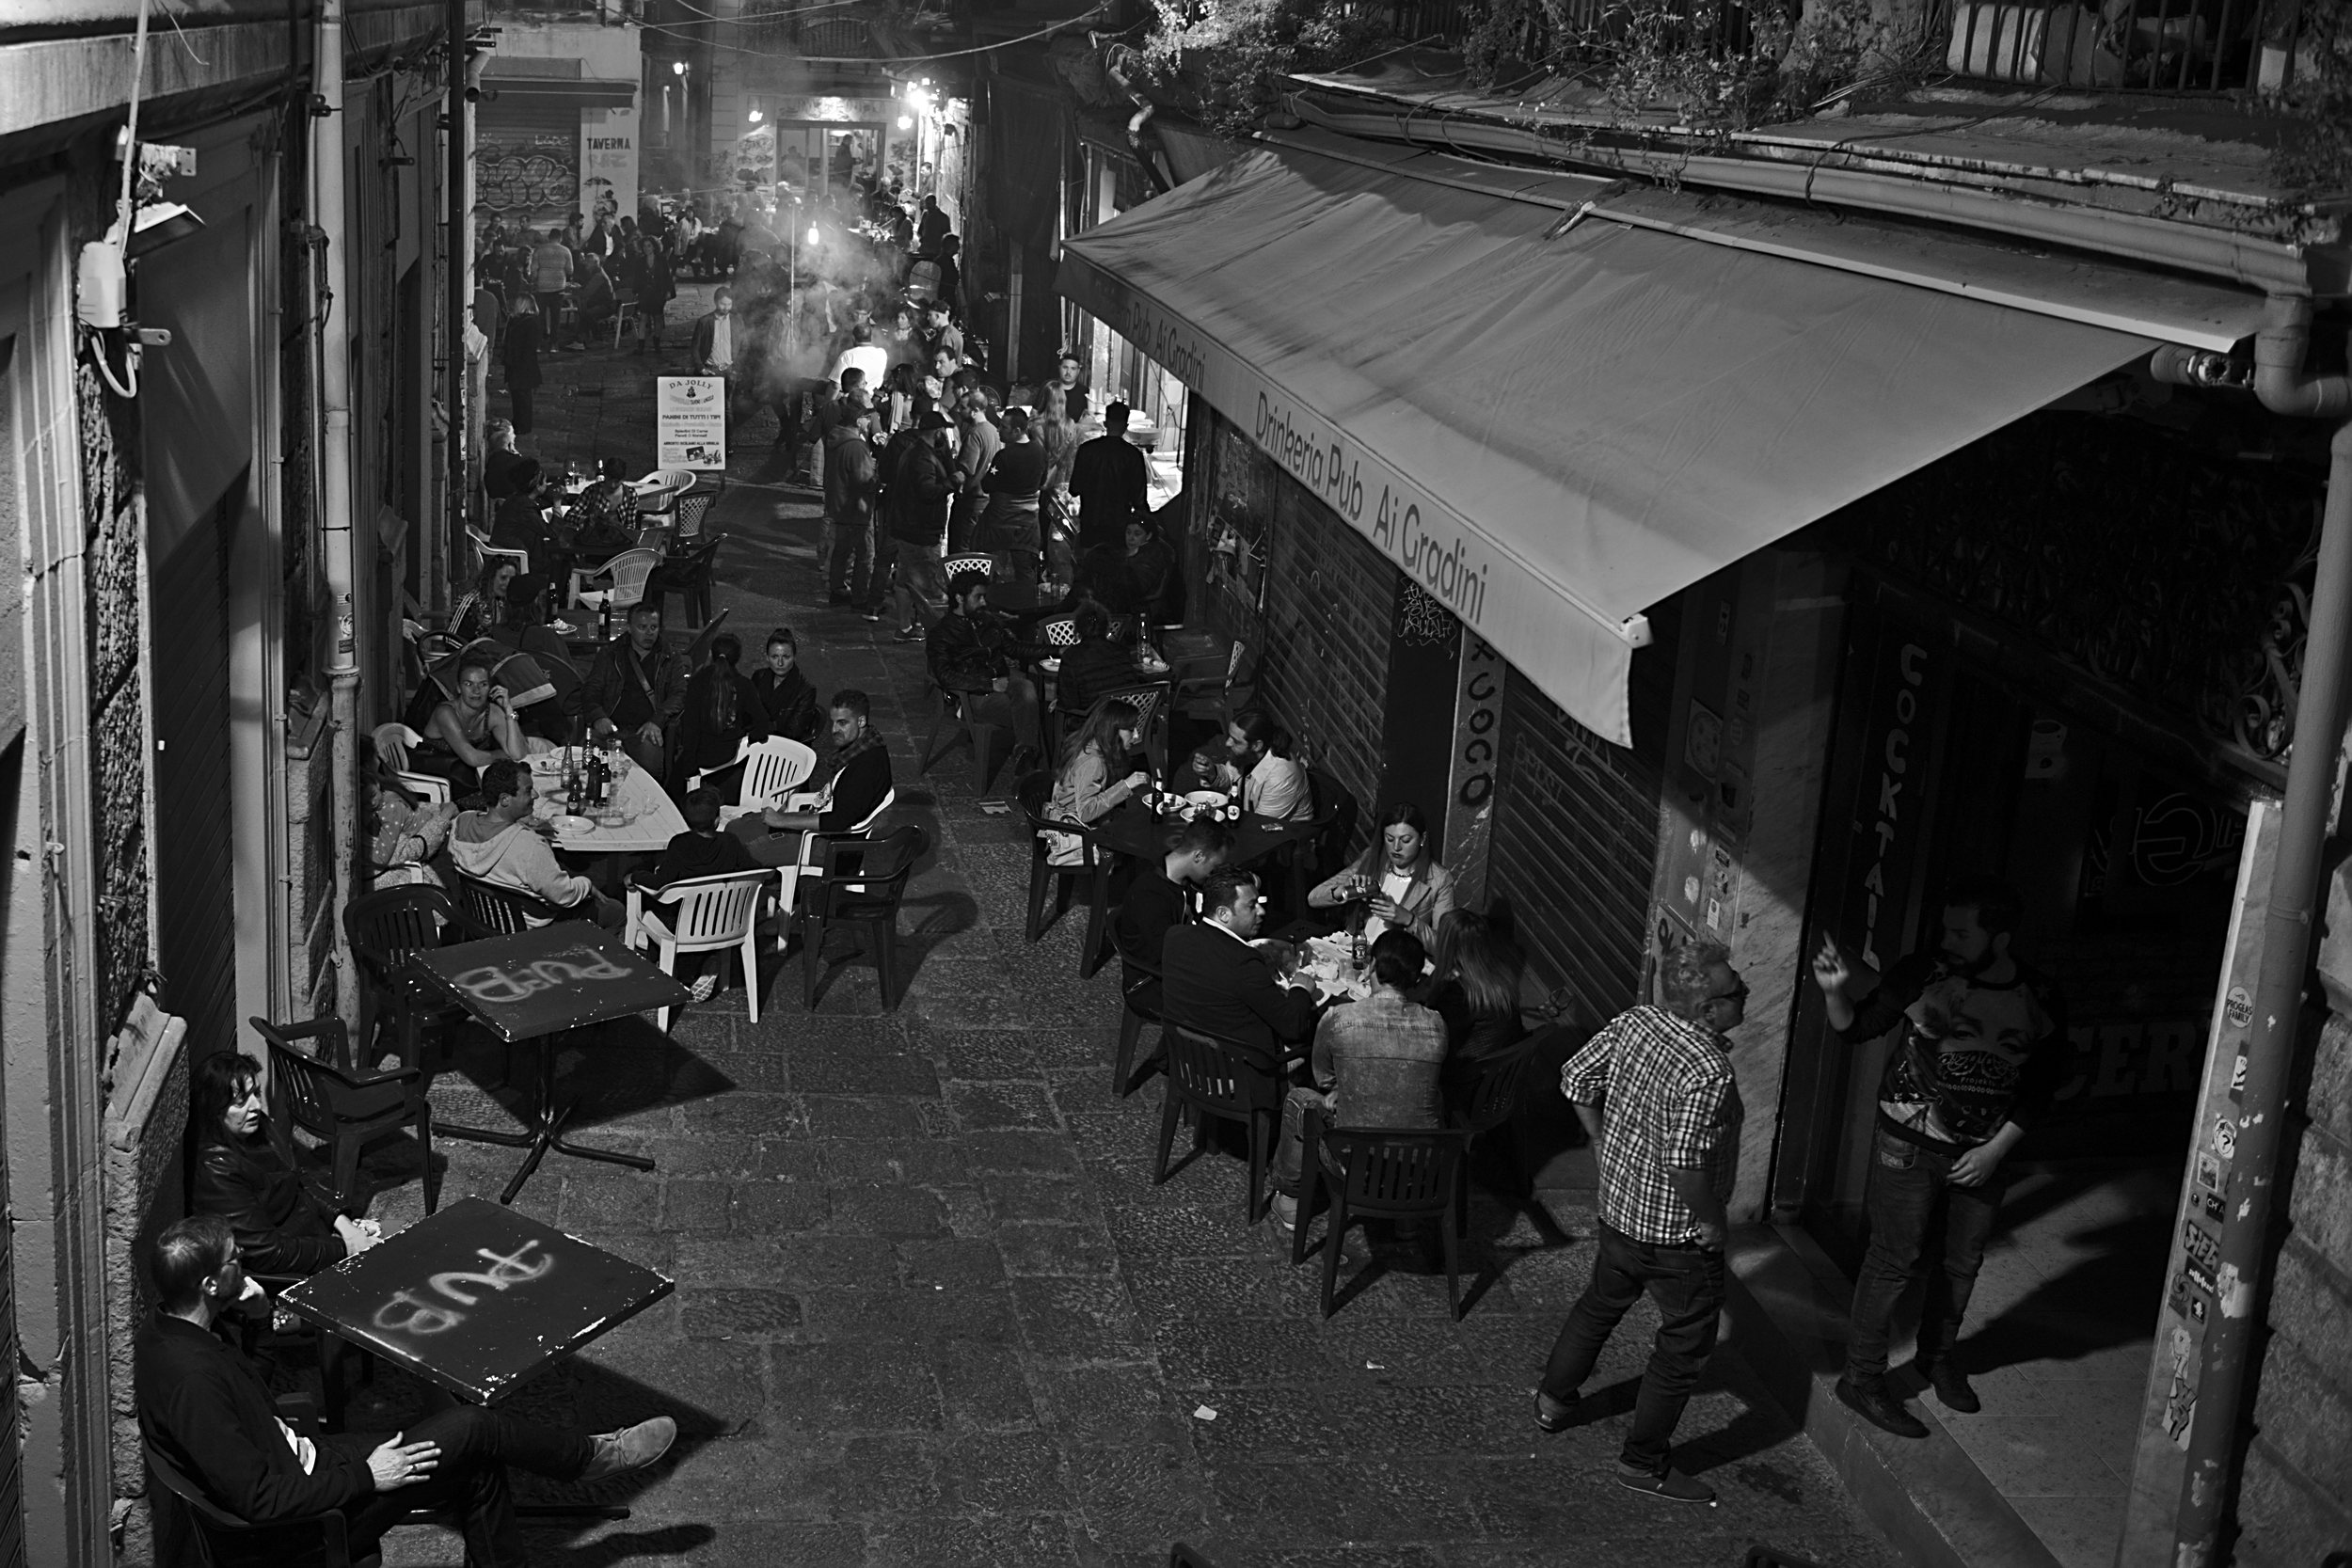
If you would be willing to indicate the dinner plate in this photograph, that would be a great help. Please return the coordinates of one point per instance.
(574, 825)
(548, 764)
(1204, 798)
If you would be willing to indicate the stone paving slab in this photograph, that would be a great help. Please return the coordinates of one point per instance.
(933, 1309)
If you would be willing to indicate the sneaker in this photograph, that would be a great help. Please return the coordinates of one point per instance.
(1873, 1404)
(1554, 1415)
(705, 986)
(871, 615)
(1670, 1484)
(629, 1448)
(1951, 1386)
(907, 634)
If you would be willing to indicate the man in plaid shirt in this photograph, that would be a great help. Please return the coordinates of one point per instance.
(1654, 1089)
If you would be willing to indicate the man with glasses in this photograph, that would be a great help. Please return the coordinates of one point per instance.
(205, 1409)
(1654, 1089)
(1215, 977)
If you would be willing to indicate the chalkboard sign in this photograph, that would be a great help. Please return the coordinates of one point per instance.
(565, 975)
(476, 1298)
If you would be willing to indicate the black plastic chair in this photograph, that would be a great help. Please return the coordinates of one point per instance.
(195, 1528)
(1136, 1010)
(1035, 795)
(502, 911)
(1217, 1077)
(991, 743)
(388, 929)
(1489, 1097)
(686, 574)
(1383, 1173)
(857, 882)
(344, 1109)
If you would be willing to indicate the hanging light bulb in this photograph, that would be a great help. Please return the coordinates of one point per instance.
(814, 238)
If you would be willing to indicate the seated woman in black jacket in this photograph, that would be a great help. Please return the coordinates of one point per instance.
(1474, 987)
(784, 691)
(240, 1176)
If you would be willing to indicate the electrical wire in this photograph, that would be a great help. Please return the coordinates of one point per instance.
(1062, 25)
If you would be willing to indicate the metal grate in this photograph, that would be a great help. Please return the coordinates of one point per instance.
(2123, 46)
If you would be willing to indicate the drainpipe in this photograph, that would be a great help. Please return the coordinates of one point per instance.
(2284, 387)
(327, 158)
(458, 181)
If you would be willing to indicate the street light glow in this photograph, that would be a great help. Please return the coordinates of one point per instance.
(815, 238)
(754, 116)
(906, 122)
(678, 68)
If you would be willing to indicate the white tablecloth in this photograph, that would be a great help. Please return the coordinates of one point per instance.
(654, 819)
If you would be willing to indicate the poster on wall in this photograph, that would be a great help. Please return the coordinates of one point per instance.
(690, 421)
(608, 163)
(527, 178)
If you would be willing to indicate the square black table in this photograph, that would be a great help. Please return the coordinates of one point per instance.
(534, 986)
(476, 1299)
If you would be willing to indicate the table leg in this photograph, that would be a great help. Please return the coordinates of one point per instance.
(548, 1134)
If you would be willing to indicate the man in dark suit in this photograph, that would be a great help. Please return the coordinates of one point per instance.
(1112, 481)
(1159, 900)
(1215, 980)
(206, 1410)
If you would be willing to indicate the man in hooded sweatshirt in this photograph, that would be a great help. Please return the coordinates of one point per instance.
(503, 846)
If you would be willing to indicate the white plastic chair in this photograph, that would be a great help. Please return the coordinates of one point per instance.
(629, 571)
(770, 769)
(712, 913)
(482, 543)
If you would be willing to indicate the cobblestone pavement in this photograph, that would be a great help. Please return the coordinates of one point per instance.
(933, 1310)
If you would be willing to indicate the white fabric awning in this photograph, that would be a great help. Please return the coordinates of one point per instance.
(1551, 424)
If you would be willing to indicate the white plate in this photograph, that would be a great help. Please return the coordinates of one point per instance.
(548, 764)
(1204, 798)
(574, 825)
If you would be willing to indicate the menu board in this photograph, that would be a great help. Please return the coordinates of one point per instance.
(690, 421)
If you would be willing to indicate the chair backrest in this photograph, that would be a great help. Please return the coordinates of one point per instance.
(1223, 1075)
(1033, 792)
(1058, 631)
(305, 1085)
(654, 535)
(890, 797)
(772, 767)
(715, 909)
(629, 571)
(1394, 1170)
(385, 927)
(1147, 701)
(430, 788)
(687, 510)
(1491, 1095)
(502, 911)
(956, 566)
(698, 651)
(863, 869)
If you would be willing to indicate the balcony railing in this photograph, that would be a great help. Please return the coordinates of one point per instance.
(2146, 45)
(2117, 45)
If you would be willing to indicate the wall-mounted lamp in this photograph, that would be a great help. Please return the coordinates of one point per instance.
(678, 68)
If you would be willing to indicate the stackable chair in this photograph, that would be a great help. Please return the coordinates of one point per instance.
(1383, 1173)
(1215, 1077)
(772, 768)
(1035, 793)
(858, 883)
(705, 914)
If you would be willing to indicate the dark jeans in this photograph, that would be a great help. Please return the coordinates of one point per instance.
(520, 398)
(1909, 1185)
(1687, 1282)
(469, 1478)
(849, 575)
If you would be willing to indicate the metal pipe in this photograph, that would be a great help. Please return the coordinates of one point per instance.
(328, 210)
(2207, 1482)
(459, 262)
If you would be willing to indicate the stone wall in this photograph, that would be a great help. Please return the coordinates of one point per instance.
(144, 1180)
(2293, 1509)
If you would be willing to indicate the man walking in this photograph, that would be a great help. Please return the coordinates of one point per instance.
(849, 483)
(713, 351)
(921, 487)
(1654, 1090)
(1979, 1055)
(1111, 480)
